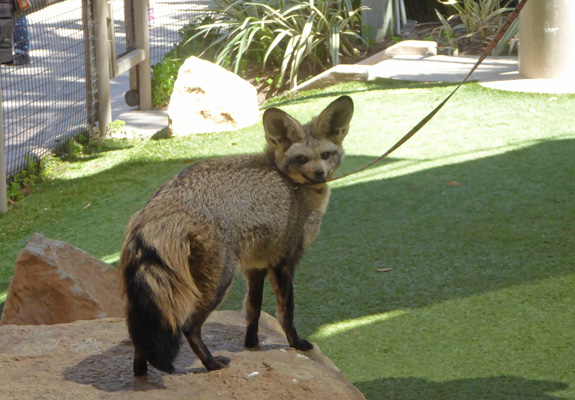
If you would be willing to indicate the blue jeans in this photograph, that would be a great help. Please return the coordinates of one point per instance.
(21, 36)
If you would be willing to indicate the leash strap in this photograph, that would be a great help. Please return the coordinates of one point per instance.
(429, 116)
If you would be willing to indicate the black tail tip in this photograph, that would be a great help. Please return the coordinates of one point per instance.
(164, 364)
(170, 369)
(140, 366)
(141, 369)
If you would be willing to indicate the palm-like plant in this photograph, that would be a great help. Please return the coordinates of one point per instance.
(286, 33)
(478, 17)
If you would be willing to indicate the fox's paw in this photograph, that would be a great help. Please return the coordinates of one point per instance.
(302, 344)
(217, 362)
(251, 341)
(223, 359)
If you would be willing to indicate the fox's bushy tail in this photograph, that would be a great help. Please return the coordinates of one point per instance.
(152, 323)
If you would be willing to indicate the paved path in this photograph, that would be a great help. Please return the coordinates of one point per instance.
(138, 123)
(501, 73)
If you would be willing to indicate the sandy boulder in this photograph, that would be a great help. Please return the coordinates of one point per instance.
(55, 283)
(93, 360)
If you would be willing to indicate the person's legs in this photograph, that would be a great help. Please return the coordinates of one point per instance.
(21, 41)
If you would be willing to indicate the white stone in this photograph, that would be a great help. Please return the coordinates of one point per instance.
(208, 98)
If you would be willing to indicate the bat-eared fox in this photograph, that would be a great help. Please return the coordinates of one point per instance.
(254, 213)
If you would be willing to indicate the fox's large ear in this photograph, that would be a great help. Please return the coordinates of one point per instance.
(333, 122)
(281, 129)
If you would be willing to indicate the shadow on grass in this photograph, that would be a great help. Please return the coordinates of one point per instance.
(447, 233)
(89, 212)
(497, 387)
(93, 150)
(92, 212)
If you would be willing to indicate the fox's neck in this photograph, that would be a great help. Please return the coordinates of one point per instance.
(315, 197)
(320, 189)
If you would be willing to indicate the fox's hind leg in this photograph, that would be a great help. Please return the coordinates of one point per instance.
(281, 279)
(253, 304)
(193, 332)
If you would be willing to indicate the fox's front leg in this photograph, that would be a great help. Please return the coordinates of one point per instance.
(281, 279)
(255, 279)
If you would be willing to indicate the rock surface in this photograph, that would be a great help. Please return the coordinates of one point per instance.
(207, 98)
(92, 360)
(56, 283)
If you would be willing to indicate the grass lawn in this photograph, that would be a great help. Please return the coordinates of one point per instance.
(475, 217)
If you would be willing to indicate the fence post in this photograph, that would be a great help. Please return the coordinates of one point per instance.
(142, 39)
(3, 191)
(102, 65)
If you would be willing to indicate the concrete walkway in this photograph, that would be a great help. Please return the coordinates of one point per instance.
(138, 123)
(500, 73)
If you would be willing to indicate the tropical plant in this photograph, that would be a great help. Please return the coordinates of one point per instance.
(482, 18)
(508, 40)
(446, 32)
(283, 33)
(478, 16)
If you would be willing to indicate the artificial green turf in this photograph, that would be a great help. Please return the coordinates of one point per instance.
(474, 216)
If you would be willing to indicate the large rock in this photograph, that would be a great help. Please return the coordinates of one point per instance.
(55, 283)
(207, 98)
(92, 360)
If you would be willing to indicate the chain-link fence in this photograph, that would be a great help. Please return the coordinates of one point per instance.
(50, 97)
(44, 99)
(167, 18)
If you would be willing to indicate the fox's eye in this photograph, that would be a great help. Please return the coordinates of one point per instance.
(301, 160)
(325, 155)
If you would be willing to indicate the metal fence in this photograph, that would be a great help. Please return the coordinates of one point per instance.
(169, 16)
(51, 99)
(44, 101)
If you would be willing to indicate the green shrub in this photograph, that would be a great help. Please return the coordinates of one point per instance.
(164, 74)
(25, 181)
(480, 18)
(283, 33)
